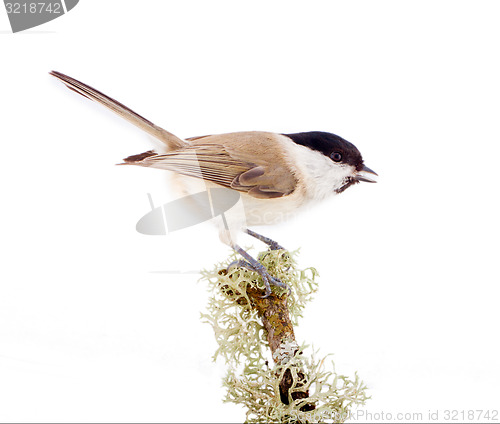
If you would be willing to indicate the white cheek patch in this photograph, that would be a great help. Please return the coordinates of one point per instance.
(321, 175)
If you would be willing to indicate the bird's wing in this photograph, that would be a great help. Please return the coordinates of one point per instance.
(213, 162)
(169, 139)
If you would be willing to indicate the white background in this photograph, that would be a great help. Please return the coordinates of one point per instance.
(90, 331)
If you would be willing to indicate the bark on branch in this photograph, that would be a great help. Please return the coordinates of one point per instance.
(273, 311)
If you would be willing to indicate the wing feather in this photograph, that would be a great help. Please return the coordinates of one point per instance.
(213, 163)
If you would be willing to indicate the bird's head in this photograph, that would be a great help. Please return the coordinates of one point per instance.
(341, 164)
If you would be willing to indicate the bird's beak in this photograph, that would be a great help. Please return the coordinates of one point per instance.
(365, 175)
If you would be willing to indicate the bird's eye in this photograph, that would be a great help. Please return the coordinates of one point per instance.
(336, 156)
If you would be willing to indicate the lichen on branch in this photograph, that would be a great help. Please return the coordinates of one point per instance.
(291, 387)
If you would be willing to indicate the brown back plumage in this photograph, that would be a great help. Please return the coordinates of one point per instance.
(232, 160)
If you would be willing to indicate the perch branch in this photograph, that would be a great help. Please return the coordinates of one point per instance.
(273, 311)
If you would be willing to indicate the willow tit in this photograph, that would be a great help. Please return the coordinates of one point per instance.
(275, 175)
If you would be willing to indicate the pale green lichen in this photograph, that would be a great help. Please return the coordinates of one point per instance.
(242, 341)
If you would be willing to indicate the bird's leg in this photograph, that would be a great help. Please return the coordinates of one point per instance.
(271, 243)
(257, 267)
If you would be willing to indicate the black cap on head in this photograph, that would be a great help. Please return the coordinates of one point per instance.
(329, 144)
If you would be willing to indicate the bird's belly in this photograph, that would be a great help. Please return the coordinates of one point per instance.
(244, 211)
(269, 211)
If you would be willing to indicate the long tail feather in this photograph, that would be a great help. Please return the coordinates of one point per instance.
(170, 140)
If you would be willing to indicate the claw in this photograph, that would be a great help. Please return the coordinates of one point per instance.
(270, 280)
(268, 291)
(251, 264)
(276, 246)
(242, 264)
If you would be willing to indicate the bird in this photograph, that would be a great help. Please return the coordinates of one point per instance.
(275, 175)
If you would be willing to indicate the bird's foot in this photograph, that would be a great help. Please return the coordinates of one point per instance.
(260, 269)
(275, 246)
